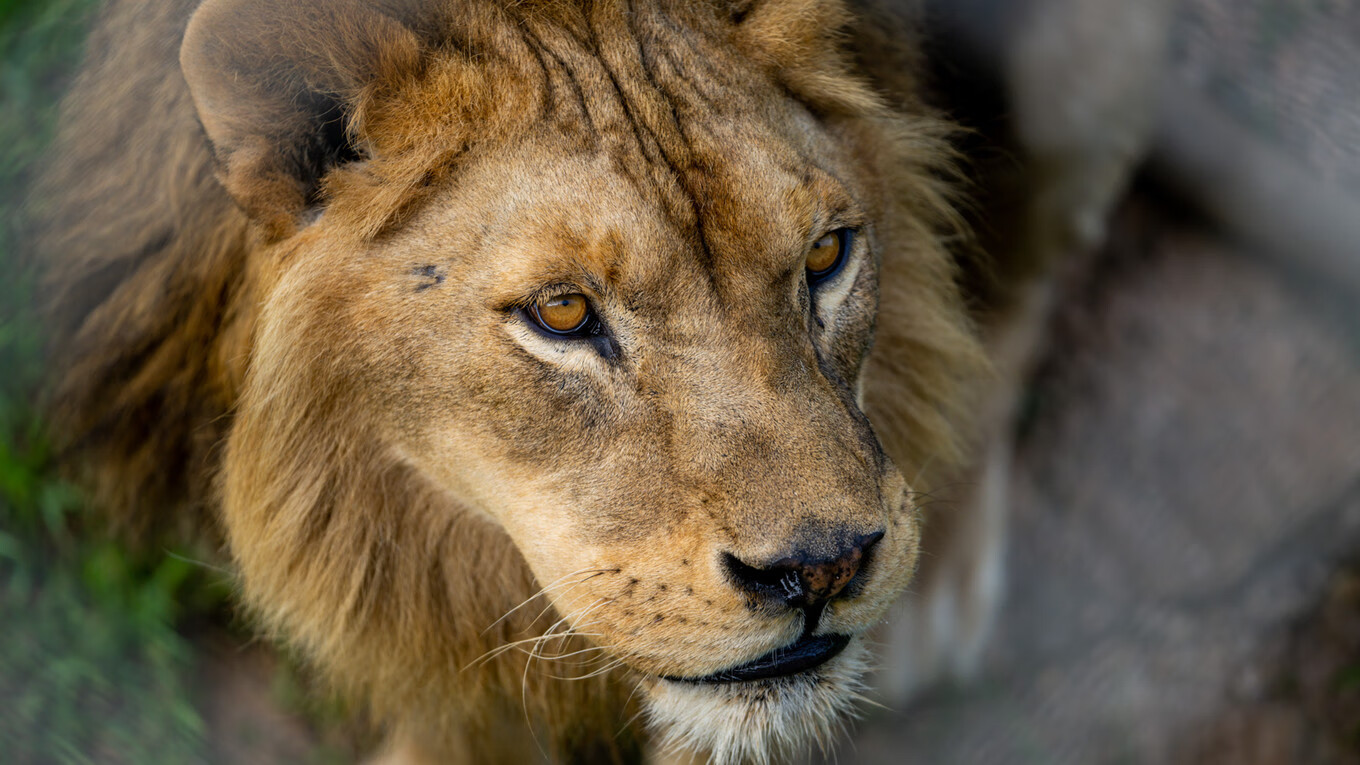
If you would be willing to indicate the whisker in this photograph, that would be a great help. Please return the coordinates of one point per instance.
(560, 657)
(549, 606)
(558, 582)
(629, 722)
(500, 649)
(539, 641)
(199, 563)
(613, 665)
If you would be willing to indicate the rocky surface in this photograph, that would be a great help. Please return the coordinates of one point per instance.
(1285, 68)
(1187, 484)
(1184, 566)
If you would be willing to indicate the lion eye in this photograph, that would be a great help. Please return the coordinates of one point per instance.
(827, 255)
(563, 314)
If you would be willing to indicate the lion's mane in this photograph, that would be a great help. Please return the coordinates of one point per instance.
(153, 282)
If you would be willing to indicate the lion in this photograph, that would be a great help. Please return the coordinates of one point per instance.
(543, 366)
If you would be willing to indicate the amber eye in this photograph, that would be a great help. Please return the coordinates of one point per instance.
(827, 255)
(563, 314)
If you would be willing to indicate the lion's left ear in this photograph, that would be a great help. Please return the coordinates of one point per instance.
(275, 83)
(802, 42)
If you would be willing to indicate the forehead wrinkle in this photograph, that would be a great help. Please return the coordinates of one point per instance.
(764, 210)
(759, 192)
(644, 106)
(561, 251)
(628, 120)
(647, 87)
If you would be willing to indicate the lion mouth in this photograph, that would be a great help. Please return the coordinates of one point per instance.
(808, 652)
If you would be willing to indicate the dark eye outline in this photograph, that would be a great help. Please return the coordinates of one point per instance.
(846, 239)
(589, 327)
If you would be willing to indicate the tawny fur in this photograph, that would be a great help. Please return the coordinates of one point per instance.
(221, 371)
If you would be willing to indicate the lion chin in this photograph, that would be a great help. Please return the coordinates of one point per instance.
(760, 721)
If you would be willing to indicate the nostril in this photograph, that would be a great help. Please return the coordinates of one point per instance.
(801, 580)
(779, 580)
(865, 545)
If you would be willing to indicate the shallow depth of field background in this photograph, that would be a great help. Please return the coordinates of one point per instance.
(1183, 580)
(92, 668)
(102, 649)
(90, 664)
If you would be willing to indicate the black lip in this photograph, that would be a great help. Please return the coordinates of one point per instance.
(800, 656)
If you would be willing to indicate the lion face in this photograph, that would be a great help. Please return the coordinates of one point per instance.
(623, 321)
(676, 451)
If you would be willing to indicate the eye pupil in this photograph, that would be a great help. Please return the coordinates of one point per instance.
(827, 254)
(562, 314)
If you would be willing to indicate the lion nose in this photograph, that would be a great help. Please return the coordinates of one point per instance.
(801, 580)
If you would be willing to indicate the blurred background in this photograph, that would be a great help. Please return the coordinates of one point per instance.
(1183, 571)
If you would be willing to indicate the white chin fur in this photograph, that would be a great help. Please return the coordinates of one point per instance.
(759, 722)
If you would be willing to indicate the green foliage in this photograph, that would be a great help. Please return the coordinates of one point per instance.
(91, 667)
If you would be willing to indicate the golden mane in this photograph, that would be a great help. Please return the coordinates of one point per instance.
(155, 277)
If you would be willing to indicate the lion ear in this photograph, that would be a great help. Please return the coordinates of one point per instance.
(276, 86)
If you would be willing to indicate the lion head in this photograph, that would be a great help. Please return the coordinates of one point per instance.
(555, 360)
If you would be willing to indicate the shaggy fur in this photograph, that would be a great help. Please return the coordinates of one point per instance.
(290, 246)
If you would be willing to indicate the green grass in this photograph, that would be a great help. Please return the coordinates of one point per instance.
(92, 669)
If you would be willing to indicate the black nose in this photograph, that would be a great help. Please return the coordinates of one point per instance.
(802, 580)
